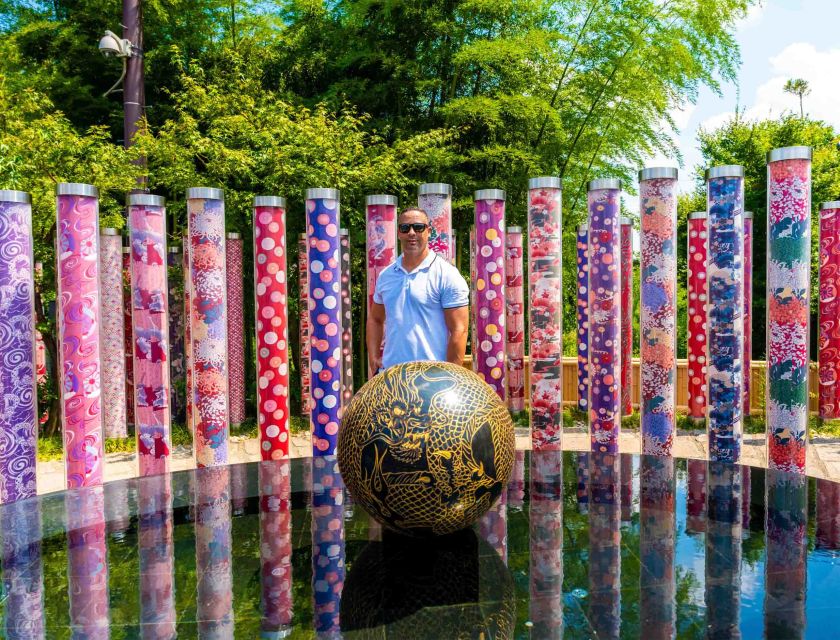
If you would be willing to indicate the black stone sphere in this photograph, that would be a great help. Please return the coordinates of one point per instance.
(426, 448)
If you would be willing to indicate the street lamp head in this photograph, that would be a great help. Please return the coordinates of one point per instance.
(112, 45)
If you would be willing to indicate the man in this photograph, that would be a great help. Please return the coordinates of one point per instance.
(420, 303)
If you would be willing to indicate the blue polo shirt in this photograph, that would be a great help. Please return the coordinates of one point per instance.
(415, 327)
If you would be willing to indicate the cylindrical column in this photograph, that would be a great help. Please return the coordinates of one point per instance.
(545, 293)
(696, 335)
(828, 514)
(658, 322)
(87, 561)
(236, 329)
(18, 421)
(177, 363)
(114, 395)
(23, 571)
(209, 393)
(80, 362)
(829, 321)
(788, 304)
(347, 387)
(303, 328)
(723, 548)
(381, 245)
(328, 568)
(604, 315)
(275, 547)
(128, 337)
(604, 541)
(324, 259)
(453, 248)
(157, 556)
(188, 361)
(489, 284)
(748, 301)
(514, 321)
(147, 229)
(546, 543)
(626, 316)
(583, 317)
(272, 325)
(435, 198)
(473, 335)
(725, 323)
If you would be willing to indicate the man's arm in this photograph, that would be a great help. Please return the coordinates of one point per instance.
(457, 321)
(375, 331)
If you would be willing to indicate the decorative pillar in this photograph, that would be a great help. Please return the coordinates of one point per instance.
(489, 309)
(157, 555)
(381, 243)
(626, 316)
(829, 319)
(208, 319)
(128, 337)
(748, 301)
(828, 514)
(723, 548)
(604, 542)
(236, 329)
(545, 293)
(177, 364)
(658, 324)
(604, 315)
(80, 363)
(324, 256)
(112, 305)
(147, 229)
(788, 304)
(514, 321)
(188, 361)
(453, 248)
(23, 571)
(87, 559)
(272, 326)
(583, 316)
(19, 419)
(40, 348)
(328, 568)
(473, 298)
(698, 378)
(435, 198)
(304, 331)
(696, 496)
(275, 547)
(725, 324)
(347, 387)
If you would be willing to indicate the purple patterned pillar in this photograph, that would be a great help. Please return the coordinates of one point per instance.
(236, 329)
(324, 260)
(188, 359)
(489, 337)
(604, 315)
(381, 216)
(157, 555)
(748, 302)
(583, 317)
(546, 543)
(328, 568)
(473, 297)
(150, 330)
(214, 573)
(545, 291)
(177, 364)
(435, 199)
(19, 419)
(208, 331)
(23, 572)
(87, 562)
(604, 545)
(112, 307)
(80, 363)
(304, 330)
(347, 387)
(626, 316)
(275, 547)
(515, 321)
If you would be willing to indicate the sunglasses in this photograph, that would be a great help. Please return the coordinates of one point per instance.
(419, 227)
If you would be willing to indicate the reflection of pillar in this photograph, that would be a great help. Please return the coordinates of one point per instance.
(748, 300)
(87, 560)
(272, 325)
(23, 579)
(117, 508)
(436, 200)
(322, 223)
(347, 387)
(514, 321)
(113, 343)
(697, 349)
(489, 282)
(18, 421)
(723, 550)
(128, 337)
(788, 303)
(275, 547)
(381, 243)
(516, 486)
(582, 472)
(188, 362)
(546, 544)
(214, 606)
(177, 364)
(657, 540)
(725, 324)
(626, 490)
(746, 491)
(493, 527)
(206, 214)
(235, 328)
(604, 545)
(626, 316)
(545, 293)
(696, 497)
(828, 514)
(80, 362)
(583, 316)
(658, 322)
(238, 488)
(303, 333)
(327, 543)
(604, 315)
(786, 524)
(150, 329)
(829, 285)
(157, 557)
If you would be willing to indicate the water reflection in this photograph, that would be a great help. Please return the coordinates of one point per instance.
(493, 526)
(546, 544)
(327, 545)
(723, 551)
(696, 503)
(155, 542)
(604, 545)
(582, 472)
(23, 580)
(828, 514)
(275, 480)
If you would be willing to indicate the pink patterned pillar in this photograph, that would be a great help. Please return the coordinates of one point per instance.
(697, 262)
(435, 199)
(272, 325)
(150, 302)
(515, 321)
(489, 349)
(128, 338)
(188, 361)
(347, 387)
(236, 330)
(80, 363)
(381, 216)
(112, 307)
(275, 480)
(626, 316)
(748, 301)
(303, 283)
(473, 298)
(829, 324)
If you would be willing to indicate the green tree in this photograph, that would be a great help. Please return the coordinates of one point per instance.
(800, 88)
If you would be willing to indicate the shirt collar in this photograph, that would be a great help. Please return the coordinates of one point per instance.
(427, 261)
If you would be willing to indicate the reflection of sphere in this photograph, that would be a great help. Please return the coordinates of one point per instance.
(426, 447)
(449, 587)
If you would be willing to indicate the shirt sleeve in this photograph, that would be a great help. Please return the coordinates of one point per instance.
(455, 292)
(377, 292)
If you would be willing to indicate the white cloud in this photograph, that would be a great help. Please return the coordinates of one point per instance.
(753, 17)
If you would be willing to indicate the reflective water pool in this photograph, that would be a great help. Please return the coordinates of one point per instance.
(580, 546)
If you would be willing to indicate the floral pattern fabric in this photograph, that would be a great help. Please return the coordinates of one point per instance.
(381, 247)
(829, 323)
(748, 301)
(114, 397)
(582, 235)
(128, 338)
(626, 319)
(515, 322)
(438, 206)
(236, 331)
(347, 387)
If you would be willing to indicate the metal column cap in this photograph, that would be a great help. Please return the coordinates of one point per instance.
(604, 183)
(209, 193)
(76, 189)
